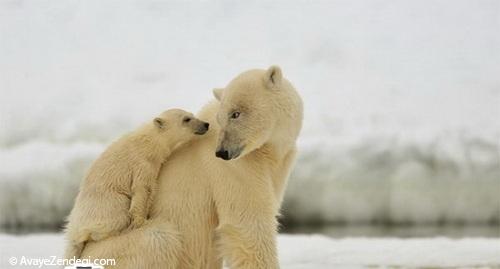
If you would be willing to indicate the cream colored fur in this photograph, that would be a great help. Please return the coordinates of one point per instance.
(207, 209)
(118, 190)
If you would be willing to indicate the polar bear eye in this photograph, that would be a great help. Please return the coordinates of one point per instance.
(186, 119)
(235, 115)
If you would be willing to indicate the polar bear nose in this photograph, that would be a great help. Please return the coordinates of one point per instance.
(206, 125)
(223, 154)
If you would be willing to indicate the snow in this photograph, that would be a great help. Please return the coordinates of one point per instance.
(40, 180)
(315, 251)
(402, 99)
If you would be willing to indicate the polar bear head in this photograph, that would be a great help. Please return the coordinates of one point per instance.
(175, 127)
(256, 107)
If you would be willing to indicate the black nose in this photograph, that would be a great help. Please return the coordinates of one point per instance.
(223, 154)
(206, 125)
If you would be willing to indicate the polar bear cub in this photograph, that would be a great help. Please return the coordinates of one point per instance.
(119, 187)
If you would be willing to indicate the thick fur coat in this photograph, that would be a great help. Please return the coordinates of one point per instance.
(118, 191)
(211, 209)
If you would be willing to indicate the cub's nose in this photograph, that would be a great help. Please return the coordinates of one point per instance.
(202, 129)
(223, 154)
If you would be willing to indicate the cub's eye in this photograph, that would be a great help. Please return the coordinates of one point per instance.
(235, 115)
(186, 119)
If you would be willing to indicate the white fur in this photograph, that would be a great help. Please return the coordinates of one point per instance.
(208, 209)
(119, 188)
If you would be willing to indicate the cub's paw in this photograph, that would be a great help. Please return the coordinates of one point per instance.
(136, 222)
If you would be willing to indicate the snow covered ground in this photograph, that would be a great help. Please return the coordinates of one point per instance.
(319, 252)
(402, 98)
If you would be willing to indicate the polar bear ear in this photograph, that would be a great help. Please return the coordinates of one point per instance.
(159, 123)
(273, 77)
(217, 93)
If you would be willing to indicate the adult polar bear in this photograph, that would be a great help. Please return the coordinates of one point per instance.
(207, 208)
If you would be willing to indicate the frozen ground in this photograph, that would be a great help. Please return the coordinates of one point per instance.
(319, 252)
(402, 98)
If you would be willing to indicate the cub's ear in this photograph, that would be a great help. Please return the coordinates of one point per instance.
(218, 93)
(273, 77)
(159, 123)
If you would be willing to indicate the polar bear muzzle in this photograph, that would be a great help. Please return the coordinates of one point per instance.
(228, 153)
(201, 128)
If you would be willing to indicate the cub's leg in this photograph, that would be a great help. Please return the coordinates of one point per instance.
(156, 245)
(74, 250)
(77, 241)
(143, 189)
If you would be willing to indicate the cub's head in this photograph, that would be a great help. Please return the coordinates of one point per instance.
(179, 126)
(251, 107)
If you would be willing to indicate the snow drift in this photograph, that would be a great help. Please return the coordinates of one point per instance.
(402, 98)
